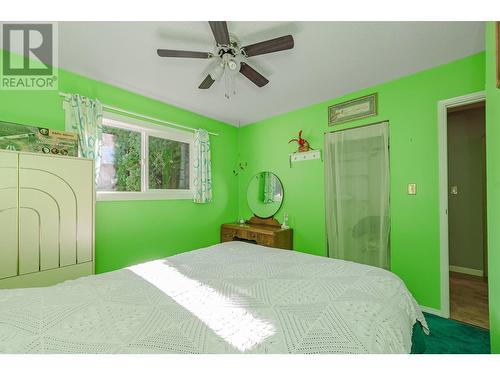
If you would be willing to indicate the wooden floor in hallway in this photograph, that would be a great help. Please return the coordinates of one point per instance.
(469, 299)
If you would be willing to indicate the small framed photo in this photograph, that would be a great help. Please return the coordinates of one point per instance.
(351, 110)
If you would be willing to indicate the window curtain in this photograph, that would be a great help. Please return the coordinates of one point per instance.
(357, 195)
(84, 117)
(202, 167)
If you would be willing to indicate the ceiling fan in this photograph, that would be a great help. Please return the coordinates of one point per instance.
(230, 56)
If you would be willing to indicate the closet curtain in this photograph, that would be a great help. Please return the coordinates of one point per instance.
(202, 167)
(357, 194)
(84, 117)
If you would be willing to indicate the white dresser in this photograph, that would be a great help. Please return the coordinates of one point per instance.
(46, 219)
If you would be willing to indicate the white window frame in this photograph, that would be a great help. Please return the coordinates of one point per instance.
(147, 129)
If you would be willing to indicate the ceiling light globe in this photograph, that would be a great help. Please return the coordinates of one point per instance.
(216, 73)
(233, 65)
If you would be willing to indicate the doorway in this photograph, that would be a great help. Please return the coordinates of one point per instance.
(465, 173)
(467, 214)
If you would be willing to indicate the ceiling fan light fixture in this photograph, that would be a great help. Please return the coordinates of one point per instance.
(232, 57)
(217, 72)
(233, 65)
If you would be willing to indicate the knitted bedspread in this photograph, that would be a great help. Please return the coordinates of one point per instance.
(233, 297)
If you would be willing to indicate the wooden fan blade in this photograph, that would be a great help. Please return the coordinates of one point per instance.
(177, 53)
(272, 45)
(253, 75)
(219, 29)
(207, 82)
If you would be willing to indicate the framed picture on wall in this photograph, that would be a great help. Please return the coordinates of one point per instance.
(27, 138)
(497, 33)
(351, 110)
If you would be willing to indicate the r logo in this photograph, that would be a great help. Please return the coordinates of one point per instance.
(34, 46)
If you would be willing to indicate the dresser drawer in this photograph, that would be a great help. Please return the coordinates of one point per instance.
(265, 235)
(226, 238)
(227, 235)
(265, 240)
(252, 236)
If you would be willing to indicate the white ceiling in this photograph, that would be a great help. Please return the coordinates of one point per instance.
(329, 59)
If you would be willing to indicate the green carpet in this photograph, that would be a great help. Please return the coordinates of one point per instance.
(451, 337)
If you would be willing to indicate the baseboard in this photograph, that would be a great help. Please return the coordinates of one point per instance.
(432, 311)
(468, 271)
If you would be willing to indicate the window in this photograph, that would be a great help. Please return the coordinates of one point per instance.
(168, 164)
(144, 161)
(120, 168)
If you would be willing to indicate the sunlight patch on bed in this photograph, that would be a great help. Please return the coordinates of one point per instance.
(223, 316)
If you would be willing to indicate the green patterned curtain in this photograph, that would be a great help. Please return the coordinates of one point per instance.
(85, 118)
(202, 167)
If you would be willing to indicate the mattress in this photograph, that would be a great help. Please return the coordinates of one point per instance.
(233, 297)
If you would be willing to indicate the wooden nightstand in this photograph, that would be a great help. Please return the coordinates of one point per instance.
(266, 232)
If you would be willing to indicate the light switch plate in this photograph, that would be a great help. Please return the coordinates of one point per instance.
(454, 190)
(412, 189)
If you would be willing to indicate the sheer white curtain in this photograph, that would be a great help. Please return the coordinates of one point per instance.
(357, 194)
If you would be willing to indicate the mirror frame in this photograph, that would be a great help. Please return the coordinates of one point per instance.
(282, 198)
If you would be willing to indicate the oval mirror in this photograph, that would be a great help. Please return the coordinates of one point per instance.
(265, 194)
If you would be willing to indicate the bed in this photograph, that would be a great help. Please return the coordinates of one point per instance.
(233, 297)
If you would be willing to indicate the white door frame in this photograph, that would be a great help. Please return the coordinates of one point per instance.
(443, 106)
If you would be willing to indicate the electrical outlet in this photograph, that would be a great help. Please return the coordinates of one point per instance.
(412, 189)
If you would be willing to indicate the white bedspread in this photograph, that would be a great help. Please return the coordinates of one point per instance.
(228, 298)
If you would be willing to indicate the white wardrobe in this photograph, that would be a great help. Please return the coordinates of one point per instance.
(46, 219)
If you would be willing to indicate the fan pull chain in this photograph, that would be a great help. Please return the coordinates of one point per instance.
(226, 84)
(229, 84)
(233, 83)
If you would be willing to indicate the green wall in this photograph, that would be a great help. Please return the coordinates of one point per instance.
(410, 105)
(493, 186)
(129, 232)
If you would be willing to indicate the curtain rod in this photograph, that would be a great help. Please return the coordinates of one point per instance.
(355, 127)
(124, 111)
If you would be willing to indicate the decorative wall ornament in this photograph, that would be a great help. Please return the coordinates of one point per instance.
(240, 167)
(303, 144)
(355, 109)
